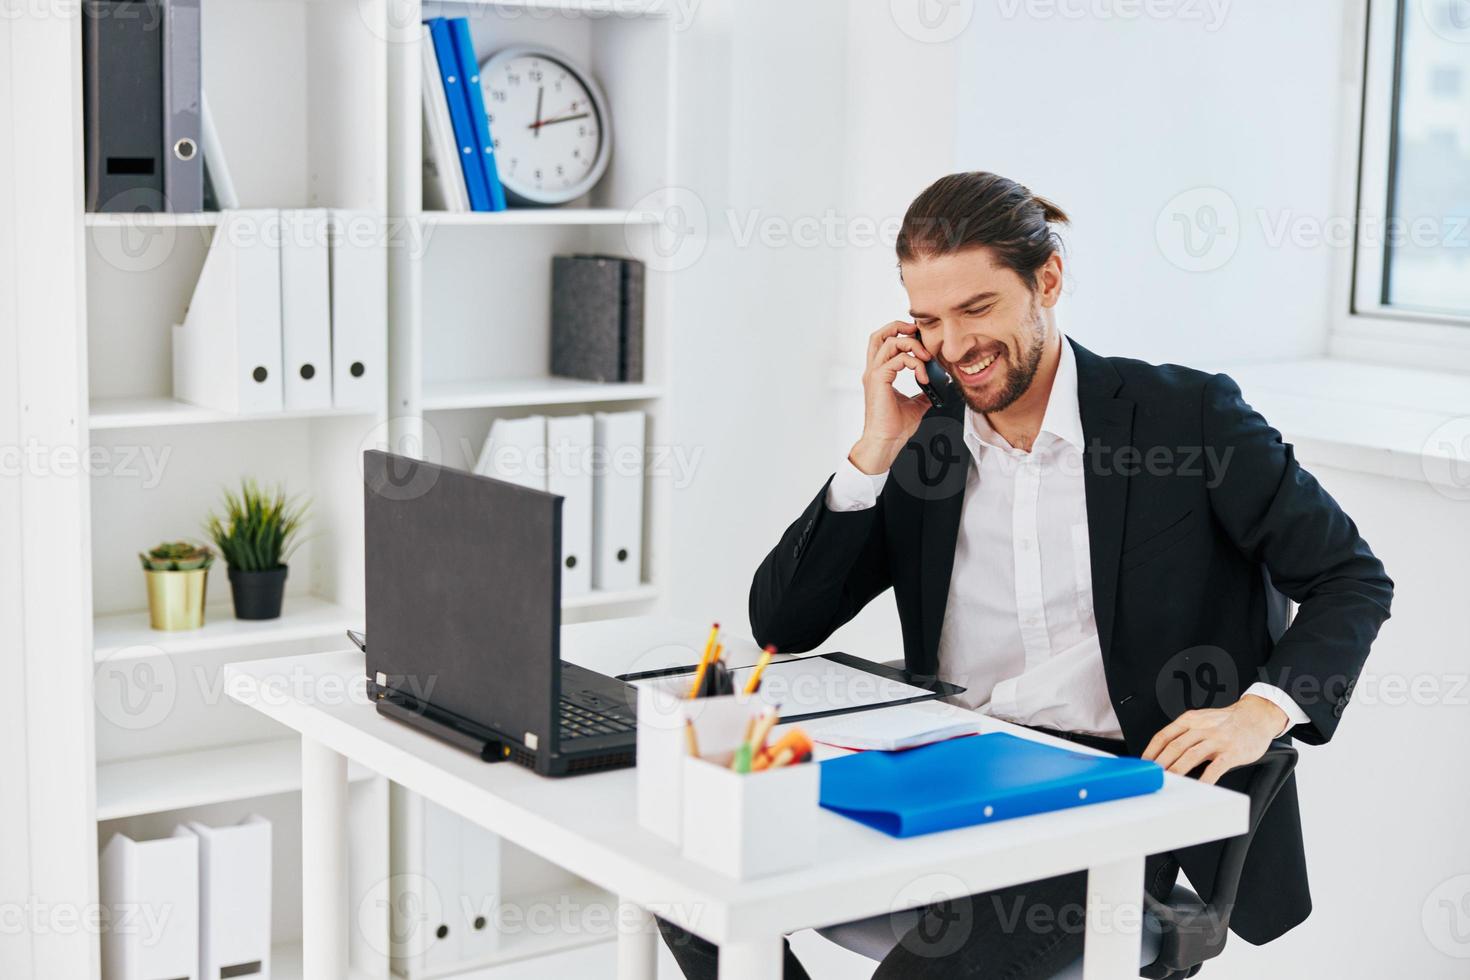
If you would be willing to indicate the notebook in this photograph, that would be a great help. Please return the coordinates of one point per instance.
(967, 781)
(892, 729)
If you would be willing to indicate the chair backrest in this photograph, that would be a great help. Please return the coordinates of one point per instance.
(1195, 931)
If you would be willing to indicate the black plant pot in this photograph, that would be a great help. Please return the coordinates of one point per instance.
(258, 595)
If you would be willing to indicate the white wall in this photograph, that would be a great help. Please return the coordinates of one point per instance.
(752, 318)
(1112, 118)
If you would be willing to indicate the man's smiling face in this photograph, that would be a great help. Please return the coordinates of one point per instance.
(982, 322)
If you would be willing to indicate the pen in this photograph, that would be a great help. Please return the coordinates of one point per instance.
(754, 683)
(704, 659)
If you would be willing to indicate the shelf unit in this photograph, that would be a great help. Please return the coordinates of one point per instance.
(335, 123)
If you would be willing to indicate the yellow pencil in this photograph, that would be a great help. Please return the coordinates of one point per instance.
(753, 685)
(691, 737)
(709, 646)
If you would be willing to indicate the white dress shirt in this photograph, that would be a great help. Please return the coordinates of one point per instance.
(1019, 632)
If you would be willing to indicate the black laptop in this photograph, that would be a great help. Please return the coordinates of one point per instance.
(464, 621)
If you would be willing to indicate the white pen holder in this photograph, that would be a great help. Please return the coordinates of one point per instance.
(664, 716)
(747, 825)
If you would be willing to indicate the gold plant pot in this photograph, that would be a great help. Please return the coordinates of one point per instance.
(176, 599)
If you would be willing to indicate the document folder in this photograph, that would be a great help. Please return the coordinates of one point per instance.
(980, 779)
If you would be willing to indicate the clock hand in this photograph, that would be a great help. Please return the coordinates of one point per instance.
(559, 119)
(537, 124)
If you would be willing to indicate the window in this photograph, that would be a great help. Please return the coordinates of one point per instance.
(1413, 249)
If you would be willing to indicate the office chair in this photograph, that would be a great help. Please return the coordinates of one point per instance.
(1179, 934)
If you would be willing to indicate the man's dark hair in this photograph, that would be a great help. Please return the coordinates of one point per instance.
(975, 209)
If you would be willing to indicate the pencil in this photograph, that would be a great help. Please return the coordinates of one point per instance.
(691, 737)
(762, 730)
(754, 684)
(704, 660)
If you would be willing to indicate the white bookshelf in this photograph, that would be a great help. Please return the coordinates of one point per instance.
(334, 123)
(533, 217)
(183, 780)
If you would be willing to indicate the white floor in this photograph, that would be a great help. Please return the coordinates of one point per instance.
(821, 959)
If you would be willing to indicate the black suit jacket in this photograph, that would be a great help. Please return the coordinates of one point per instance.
(1190, 496)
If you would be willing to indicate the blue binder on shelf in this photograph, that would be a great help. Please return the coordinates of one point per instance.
(459, 114)
(978, 779)
(469, 70)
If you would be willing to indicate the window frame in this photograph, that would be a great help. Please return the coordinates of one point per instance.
(1364, 327)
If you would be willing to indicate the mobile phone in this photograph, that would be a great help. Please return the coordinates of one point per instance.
(939, 379)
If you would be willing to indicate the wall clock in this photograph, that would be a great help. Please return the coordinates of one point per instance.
(549, 123)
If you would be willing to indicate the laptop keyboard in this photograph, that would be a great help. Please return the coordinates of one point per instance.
(580, 722)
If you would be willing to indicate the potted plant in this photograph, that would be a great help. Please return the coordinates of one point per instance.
(177, 573)
(256, 535)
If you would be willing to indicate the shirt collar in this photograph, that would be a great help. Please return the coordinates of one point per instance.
(1063, 417)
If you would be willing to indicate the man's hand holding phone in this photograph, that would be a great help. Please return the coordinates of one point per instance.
(890, 417)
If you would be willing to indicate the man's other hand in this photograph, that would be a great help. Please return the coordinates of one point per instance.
(1223, 737)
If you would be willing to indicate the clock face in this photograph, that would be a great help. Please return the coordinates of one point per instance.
(548, 124)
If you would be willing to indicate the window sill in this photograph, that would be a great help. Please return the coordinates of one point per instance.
(1405, 423)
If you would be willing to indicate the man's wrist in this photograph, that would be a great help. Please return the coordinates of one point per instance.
(1264, 714)
(874, 456)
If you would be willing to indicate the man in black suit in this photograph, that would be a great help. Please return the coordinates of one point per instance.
(1094, 546)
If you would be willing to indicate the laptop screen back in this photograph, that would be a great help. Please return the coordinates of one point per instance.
(464, 593)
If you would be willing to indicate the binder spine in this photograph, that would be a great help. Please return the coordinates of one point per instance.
(123, 105)
(183, 157)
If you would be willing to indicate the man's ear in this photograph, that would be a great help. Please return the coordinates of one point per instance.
(1049, 281)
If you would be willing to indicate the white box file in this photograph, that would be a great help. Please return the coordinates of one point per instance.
(227, 352)
(359, 262)
(150, 894)
(234, 898)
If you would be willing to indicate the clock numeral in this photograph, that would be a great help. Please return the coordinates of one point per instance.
(497, 95)
(560, 170)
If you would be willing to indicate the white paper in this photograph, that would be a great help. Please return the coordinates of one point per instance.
(899, 727)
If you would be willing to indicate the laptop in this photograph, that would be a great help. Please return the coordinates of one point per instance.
(464, 622)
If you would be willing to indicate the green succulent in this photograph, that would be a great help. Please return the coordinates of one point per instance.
(259, 528)
(176, 556)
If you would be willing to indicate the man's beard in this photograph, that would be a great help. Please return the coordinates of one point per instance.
(1018, 376)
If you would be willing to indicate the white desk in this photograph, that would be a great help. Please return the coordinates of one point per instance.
(589, 825)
